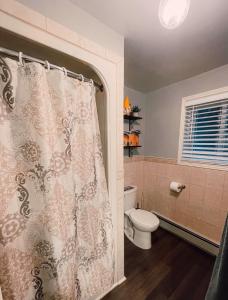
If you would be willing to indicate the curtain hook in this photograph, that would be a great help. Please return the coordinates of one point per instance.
(64, 71)
(20, 59)
(91, 82)
(47, 65)
(82, 77)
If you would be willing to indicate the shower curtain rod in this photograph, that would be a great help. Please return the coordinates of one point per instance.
(21, 56)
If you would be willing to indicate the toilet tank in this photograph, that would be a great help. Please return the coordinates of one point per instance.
(130, 193)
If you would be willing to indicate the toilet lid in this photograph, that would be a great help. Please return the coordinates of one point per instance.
(144, 218)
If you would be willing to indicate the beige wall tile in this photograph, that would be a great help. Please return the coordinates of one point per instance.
(226, 181)
(212, 197)
(215, 178)
(150, 182)
(160, 160)
(152, 168)
(179, 173)
(196, 195)
(181, 200)
(182, 218)
(211, 216)
(198, 176)
(201, 207)
(162, 169)
(206, 229)
(163, 184)
(223, 216)
(133, 175)
(195, 203)
(224, 201)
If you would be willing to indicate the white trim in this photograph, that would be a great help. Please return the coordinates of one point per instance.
(197, 97)
(205, 97)
(202, 165)
(112, 288)
(181, 134)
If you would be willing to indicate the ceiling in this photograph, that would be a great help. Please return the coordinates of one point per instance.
(156, 57)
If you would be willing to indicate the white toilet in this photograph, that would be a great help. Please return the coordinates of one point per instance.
(138, 223)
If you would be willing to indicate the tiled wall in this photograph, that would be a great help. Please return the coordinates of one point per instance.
(201, 207)
(133, 173)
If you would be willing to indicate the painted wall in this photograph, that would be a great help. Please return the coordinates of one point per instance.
(203, 206)
(163, 108)
(73, 17)
(137, 98)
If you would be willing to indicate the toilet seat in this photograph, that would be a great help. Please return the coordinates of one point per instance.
(144, 220)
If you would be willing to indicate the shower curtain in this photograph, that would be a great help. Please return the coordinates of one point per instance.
(55, 216)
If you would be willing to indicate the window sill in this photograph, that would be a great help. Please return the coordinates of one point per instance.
(202, 165)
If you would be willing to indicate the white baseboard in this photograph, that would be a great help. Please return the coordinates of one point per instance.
(112, 288)
(189, 236)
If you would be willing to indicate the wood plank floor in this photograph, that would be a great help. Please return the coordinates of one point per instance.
(172, 269)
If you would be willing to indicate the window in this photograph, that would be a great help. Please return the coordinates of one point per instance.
(204, 130)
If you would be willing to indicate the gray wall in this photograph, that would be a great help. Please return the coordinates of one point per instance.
(137, 98)
(73, 17)
(163, 109)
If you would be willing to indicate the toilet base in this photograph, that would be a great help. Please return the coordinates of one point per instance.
(140, 239)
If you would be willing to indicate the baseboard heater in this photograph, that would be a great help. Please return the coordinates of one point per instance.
(188, 235)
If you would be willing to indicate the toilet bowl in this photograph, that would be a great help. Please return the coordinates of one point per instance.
(138, 223)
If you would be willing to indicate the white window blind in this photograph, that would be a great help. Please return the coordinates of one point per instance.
(205, 132)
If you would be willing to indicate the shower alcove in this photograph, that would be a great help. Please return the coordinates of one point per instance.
(22, 29)
(17, 43)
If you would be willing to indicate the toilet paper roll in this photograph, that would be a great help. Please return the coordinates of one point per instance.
(176, 187)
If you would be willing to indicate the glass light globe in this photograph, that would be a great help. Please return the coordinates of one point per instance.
(172, 13)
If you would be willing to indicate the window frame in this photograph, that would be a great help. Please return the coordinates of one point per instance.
(205, 97)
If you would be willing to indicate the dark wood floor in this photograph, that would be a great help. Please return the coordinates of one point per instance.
(172, 269)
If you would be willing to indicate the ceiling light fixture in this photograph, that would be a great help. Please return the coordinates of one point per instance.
(172, 13)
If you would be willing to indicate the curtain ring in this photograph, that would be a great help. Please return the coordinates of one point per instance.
(82, 77)
(64, 71)
(47, 65)
(20, 59)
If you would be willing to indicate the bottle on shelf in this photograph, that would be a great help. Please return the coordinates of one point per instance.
(127, 106)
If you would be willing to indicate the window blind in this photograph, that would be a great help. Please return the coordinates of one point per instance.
(205, 133)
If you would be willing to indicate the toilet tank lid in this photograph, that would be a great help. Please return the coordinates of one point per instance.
(129, 189)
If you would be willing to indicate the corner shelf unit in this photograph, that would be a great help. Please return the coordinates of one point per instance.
(131, 119)
(130, 148)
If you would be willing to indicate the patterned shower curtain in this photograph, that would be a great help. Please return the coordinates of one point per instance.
(55, 216)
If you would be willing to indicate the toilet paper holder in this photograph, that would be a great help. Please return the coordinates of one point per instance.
(183, 186)
(177, 187)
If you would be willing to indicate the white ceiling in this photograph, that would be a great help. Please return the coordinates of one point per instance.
(155, 56)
